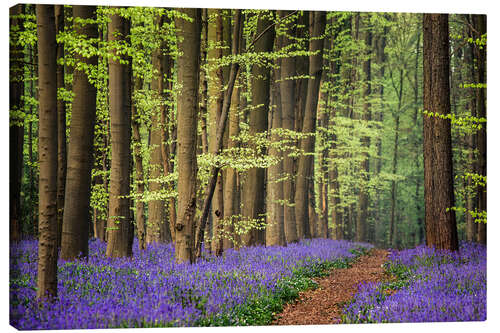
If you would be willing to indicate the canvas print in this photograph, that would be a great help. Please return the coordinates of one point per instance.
(194, 167)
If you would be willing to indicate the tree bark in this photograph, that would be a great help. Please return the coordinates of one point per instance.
(156, 207)
(187, 111)
(362, 218)
(76, 216)
(61, 128)
(215, 114)
(275, 228)
(119, 221)
(287, 92)
(16, 126)
(441, 228)
(479, 22)
(214, 172)
(471, 196)
(140, 218)
(305, 164)
(47, 153)
(253, 205)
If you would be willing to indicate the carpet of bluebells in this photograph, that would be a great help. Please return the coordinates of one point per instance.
(430, 286)
(243, 287)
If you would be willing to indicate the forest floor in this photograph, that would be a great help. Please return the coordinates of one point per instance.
(323, 305)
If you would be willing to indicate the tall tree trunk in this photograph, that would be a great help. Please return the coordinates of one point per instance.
(76, 217)
(231, 204)
(156, 207)
(305, 164)
(479, 22)
(140, 219)
(16, 126)
(215, 114)
(214, 172)
(187, 111)
(47, 153)
(362, 218)
(275, 229)
(287, 92)
(471, 198)
(441, 228)
(253, 205)
(119, 222)
(61, 127)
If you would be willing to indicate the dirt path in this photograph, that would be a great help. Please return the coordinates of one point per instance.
(323, 305)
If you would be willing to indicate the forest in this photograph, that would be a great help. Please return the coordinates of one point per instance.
(203, 167)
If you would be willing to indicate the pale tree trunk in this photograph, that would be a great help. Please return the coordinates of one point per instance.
(253, 189)
(215, 114)
(119, 222)
(187, 111)
(287, 91)
(156, 207)
(76, 218)
(275, 228)
(16, 126)
(231, 204)
(47, 153)
(305, 164)
(440, 222)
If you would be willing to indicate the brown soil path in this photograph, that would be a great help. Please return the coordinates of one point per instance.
(323, 305)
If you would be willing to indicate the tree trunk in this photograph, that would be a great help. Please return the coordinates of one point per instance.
(47, 153)
(61, 128)
(214, 172)
(275, 232)
(119, 222)
(140, 219)
(479, 22)
(215, 114)
(231, 204)
(16, 126)
(287, 92)
(441, 228)
(156, 207)
(471, 200)
(76, 217)
(187, 111)
(305, 164)
(362, 218)
(253, 205)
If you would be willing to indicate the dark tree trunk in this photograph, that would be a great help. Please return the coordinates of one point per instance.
(441, 228)
(61, 127)
(140, 219)
(47, 153)
(254, 185)
(362, 218)
(214, 172)
(287, 92)
(76, 217)
(471, 197)
(16, 126)
(479, 22)
(307, 144)
(119, 220)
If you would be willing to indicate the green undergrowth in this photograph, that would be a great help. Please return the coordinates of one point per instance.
(262, 310)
